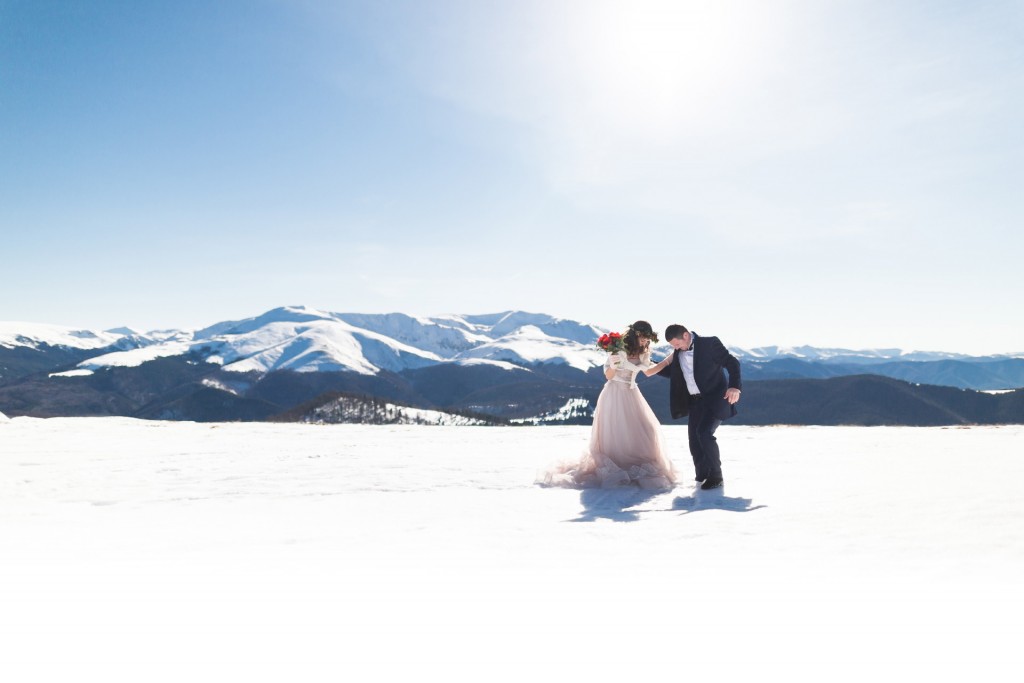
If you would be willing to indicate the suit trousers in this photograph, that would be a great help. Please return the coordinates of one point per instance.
(701, 426)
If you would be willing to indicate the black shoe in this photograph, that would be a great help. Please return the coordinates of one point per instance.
(712, 483)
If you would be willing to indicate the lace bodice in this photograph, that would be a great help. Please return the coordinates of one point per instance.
(626, 370)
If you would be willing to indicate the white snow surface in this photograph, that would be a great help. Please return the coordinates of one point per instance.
(504, 365)
(530, 344)
(77, 372)
(291, 552)
(309, 346)
(132, 358)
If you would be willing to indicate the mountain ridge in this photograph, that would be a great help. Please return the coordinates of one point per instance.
(513, 365)
(306, 339)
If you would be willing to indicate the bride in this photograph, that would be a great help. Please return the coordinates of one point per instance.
(625, 441)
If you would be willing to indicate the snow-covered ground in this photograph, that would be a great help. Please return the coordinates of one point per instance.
(153, 551)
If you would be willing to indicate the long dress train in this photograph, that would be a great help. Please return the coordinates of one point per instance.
(625, 440)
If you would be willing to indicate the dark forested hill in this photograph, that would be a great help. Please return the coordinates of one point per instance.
(184, 388)
(860, 400)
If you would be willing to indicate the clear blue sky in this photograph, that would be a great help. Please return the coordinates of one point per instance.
(774, 172)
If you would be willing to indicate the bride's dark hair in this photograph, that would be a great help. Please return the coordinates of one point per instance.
(641, 329)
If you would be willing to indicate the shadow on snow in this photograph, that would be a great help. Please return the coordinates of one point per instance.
(614, 503)
(712, 500)
(625, 504)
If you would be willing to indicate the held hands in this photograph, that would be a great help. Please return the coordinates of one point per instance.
(732, 395)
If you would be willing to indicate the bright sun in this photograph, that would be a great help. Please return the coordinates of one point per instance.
(657, 62)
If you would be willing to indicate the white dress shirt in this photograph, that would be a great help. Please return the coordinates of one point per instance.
(686, 363)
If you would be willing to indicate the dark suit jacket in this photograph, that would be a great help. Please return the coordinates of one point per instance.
(711, 360)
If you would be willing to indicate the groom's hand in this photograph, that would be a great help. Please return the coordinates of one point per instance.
(732, 395)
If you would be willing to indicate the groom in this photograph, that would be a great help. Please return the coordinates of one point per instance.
(699, 389)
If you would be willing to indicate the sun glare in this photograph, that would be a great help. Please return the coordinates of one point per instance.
(658, 63)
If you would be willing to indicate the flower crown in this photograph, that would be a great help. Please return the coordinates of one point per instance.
(652, 335)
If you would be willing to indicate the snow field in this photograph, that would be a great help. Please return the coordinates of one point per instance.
(297, 550)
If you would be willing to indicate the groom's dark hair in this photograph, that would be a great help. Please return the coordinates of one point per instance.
(675, 332)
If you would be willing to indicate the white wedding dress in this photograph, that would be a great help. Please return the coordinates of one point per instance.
(625, 441)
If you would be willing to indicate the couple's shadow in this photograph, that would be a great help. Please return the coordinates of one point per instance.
(715, 499)
(625, 504)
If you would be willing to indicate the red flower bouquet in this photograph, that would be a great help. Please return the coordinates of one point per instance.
(611, 342)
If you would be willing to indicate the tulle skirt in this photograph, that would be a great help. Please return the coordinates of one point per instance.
(625, 446)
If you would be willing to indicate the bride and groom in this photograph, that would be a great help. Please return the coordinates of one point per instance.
(625, 440)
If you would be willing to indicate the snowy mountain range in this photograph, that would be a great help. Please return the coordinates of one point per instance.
(512, 367)
(303, 339)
